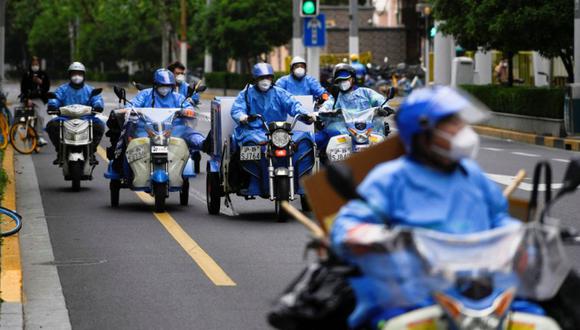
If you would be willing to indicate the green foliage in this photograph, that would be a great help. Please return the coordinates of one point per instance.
(3, 176)
(518, 100)
(232, 80)
(510, 25)
(245, 29)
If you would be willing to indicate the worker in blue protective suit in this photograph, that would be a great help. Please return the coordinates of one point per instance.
(273, 104)
(436, 185)
(299, 83)
(350, 98)
(178, 70)
(359, 69)
(76, 91)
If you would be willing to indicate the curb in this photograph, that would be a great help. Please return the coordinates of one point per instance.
(10, 259)
(540, 140)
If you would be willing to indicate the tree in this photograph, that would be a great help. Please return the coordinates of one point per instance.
(510, 26)
(246, 29)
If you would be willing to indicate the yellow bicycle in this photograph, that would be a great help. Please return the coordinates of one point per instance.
(23, 136)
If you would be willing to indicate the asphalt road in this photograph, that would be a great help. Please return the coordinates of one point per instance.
(126, 268)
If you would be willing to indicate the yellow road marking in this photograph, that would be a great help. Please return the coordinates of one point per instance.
(211, 269)
(11, 273)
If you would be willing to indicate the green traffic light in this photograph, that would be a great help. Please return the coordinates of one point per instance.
(308, 8)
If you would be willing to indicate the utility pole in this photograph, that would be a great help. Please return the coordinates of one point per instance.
(2, 40)
(183, 44)
(577, 41)
(207, 59)
(297, 46)
(353, 27)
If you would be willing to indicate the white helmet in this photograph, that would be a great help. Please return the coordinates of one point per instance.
(297, 60)
(76, 66)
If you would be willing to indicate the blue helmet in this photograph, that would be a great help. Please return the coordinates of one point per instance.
(425, 107)
(262, 69)
(163, 77)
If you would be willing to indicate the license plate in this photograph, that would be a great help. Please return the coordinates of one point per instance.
(360, 147)
(159, 149)
(337, 155)
(251, 153)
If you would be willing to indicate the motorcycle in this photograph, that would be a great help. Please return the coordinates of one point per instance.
(76, 154)
(470, 289)
(270, 170)
(154, 161)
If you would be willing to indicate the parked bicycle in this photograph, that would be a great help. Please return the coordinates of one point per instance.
(23, 135)
(10, 222)
(5, 121)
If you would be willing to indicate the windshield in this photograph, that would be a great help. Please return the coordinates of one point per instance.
(356, 116)
(417, 262)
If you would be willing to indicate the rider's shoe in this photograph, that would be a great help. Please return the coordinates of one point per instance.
(42, 142)
(94, 161)
(55, 162)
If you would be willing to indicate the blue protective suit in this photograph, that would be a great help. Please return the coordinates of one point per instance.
(182, 89)
(407, 193)
(67, 95)
(274, 105)
(360, 70)
(147, 98)
(356, 99)
(308, 85)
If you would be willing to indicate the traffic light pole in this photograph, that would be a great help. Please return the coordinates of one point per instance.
(353, 27)
(297, 46)
(577, 41)
(183, 44)
(207, 59)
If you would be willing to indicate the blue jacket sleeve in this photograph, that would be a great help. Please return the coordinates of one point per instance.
(97, 102)
(289, 104)
(282, 82)
(375, 98)
(142, 98)
(60, 97)
(239, 108)
(180, 99)
(315, 88)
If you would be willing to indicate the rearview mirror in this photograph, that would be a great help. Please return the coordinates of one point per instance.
(340, 177)
(571, 178)
(96, 92)
(390, 93)
(139, 86)
(120, 92)
(201, 88)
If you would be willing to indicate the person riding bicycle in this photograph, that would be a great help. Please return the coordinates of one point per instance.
(299, 83)
(160, 96)
(436, 185)
(34, 86)
(76, 91)
(350, 98)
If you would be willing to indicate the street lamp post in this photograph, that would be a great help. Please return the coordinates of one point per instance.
(207, 59)
(353, 40)
(183, 44)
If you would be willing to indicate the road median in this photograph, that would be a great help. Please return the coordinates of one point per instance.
(530, 138)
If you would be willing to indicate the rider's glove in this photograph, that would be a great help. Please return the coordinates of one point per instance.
(366, 237)
(311, 117)
(52, 110)
(98, 109)
(189, 113)
(244, 119)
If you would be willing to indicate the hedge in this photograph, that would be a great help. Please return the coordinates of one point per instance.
(521, 100)
(231, 80)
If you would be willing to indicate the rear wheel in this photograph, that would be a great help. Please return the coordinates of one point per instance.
(115, 190)
(76, 172)
(160, 194)
(4, 131)
(213, 191)
(184, 193)
(282, 188)
(23, 138)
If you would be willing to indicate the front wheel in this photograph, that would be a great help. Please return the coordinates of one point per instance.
(76, 172)
(115, 190)
(160, 194)
(213, 192)
(197, 162)
(282, 188)
(23, 138)
(184, 193)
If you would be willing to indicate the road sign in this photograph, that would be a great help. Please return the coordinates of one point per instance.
(315, 31)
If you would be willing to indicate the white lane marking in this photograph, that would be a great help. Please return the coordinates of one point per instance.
(561, 160)
(204, 116)
(492, 149)
(507, 179)
(524, 154)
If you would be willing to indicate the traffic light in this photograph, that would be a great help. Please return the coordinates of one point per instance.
(309, 8)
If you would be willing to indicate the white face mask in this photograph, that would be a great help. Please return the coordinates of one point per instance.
(464, 144)
(180, 78)
(264, 84)
(299, 72)
(34, 68)
(164, 90)
(344, 85)
(77, 79)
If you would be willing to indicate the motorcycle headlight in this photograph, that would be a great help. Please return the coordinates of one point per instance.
(158, 140)
(280, 138)
(361, 138)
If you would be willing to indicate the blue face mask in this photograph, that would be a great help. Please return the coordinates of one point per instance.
(164, 90)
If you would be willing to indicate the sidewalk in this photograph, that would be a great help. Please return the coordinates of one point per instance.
(546, 141)
(33, 298)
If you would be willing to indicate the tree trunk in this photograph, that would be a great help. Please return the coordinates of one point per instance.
(510, 59)
(568, 64)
